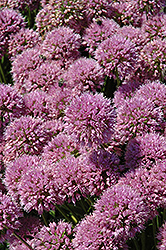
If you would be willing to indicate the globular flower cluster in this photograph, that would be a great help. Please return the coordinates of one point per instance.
(9, 215)
(11, 22)
(55, 236)
(98, 31)
(61, 44)
(145, 150)
(117, 55)
(118, 215)
(153, 57)
(11, 105)
(20, 4)
(84, 74)
(22, 40)
(25, 135)
(91, 118)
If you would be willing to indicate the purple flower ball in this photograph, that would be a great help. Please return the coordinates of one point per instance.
(11, 105)
(118, 216)
(61, 45)
(84, 74)
(27, 61)
(55, 236)
(145, 150)
(90, 118)
(9, 214)
(43, 77)
(11, 21)
(20, 4)
(25, 135)
(22, 40)
(117, 55)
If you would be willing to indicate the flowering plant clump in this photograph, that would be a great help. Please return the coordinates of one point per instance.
(82, 124)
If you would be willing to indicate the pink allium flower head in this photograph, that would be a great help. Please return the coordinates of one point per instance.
(9, 214)
(59, 147)
(84, 74)
(150, 184)
(55, 236)
(20, 4)
(11, 105)
(135, 35)
(28, 60)
(145, 150)
(153, 57)
(137, 116)
(61, 45)
(11, 22)
(118, 216)
(154, 27)
(36, 104)
(91, 118)
(117, 55)
(22, 40)
(25, 135)
(43, 77)
(34, 189)
(56, 13)
(98, 31)
(133, 11)
(161, 236)
(15, 170)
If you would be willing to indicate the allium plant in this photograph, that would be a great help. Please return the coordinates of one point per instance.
(27, 61)
(117, 55)
(57, 13)
(90, 118)
(9, 215)
(14, 172)
(11, 105)
(154, 27)
(61, 45)
(118, 216)
(20, 4)
(143, 113)
(11, 21)
(54, 236)
(161, 236)
(149, 184)
(25, 135)
(145, 150)
(98, 31)
(84, 74)
(153, 58)
(22, 40)
(59, 147)
(44, 77)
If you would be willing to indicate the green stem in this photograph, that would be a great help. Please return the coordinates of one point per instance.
(154, 231)
(62, 213)
(3, 79)
(82, 205)
(117, 77)
(44, 219)
(136, 244)
(164, 214)
(19, 238)
(143, 241)
(73, 215)
(22, 240)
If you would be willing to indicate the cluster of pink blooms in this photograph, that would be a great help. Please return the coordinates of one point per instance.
(63, 140)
